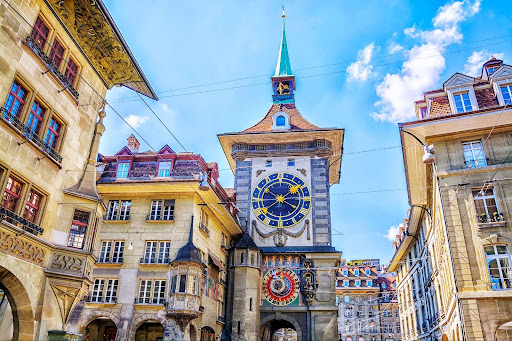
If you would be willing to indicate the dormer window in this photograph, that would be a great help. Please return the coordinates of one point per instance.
(356, 272)
(280, 120)
(462, 102)
(506, 92)
(164, 169)
(122, 170)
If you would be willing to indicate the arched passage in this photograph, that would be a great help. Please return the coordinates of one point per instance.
(504, 332)
(150, 331)
(285, 326)
(100, 329)
(21, 310)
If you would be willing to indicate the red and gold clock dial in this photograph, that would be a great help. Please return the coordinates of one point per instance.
(281, 286)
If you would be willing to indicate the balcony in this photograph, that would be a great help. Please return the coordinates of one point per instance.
(20, 222)
(490, 220)
(106, 300)
(108, 260)
(159, 260)
(28, 134)
(116, 217)
(151, 217)
(150, 301)
(204, 228)
(48, 62)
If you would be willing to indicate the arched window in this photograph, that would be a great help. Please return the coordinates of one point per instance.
(280, 121)
(242, 258)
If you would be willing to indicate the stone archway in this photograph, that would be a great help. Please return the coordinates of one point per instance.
(270, 325)
(139, 320)
(22, 313)
(93, 315)
(504, 332)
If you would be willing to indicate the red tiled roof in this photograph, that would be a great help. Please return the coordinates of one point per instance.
(486, 98)
(297, 122)
(440, 106)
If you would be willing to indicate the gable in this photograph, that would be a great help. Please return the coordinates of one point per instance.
(166, 150)
(505, 71)
(457, 80)
(124, 151)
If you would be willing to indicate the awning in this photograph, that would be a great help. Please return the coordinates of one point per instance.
(216, 262)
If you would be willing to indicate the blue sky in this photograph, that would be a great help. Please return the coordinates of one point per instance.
(359, 66)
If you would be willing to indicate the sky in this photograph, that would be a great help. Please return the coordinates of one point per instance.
(358, 66)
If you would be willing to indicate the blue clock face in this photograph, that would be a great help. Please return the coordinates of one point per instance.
(281, 200)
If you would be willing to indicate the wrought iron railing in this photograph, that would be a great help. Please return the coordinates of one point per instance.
(19, 221)
(152, 217)
(94, 299)
(46, 60)
(150, 300)
(204, 228)
(114, 217)
(159, 260)
(108, 260)
(14, 121)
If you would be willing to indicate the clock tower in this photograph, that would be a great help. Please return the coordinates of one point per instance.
(284, 167)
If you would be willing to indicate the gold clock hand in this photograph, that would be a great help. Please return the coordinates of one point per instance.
(294, 207)
(266, 190)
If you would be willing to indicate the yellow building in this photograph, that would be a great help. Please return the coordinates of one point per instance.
(57, 60)
(162, 251)
(452, 256)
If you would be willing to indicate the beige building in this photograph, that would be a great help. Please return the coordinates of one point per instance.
(55, 69)
(160, 270)
(367, 304)
(452, 257)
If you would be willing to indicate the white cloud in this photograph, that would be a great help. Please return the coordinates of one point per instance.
(425, 63)
(395, 48)
(136, 121)
(393, 231)
(474, 63)
(361, 69)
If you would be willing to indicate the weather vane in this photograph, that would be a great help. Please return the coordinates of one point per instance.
(283, 11)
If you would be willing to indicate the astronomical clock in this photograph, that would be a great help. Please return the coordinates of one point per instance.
(281, 287)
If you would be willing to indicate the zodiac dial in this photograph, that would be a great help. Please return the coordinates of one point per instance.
(281, 286)
(281, 200)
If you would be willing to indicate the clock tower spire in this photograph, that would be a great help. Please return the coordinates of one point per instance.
(283, 81)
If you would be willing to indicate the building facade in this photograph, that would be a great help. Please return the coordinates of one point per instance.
(367, 304)
(452, 256)
(284, 167)
(55, 69)
(160, 270)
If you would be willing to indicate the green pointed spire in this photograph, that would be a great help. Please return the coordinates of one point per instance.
(283, 67)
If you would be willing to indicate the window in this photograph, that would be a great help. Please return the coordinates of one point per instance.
(462, 102)
(360, 327)
(356, 272)
(498, 262)
(490, 70)
(388, 328)
(103, 294)
(150, 254)
(144, 291)
(269, 163)
(506, 91)
(35, 118)
(157, 213)
(367, 271)
(164, 169)
(183, 283)
(15, 100)
(348, 311)
(383, 285)
(280, 121)
(122, 170)
(345, 272)
(56, 54)
(159, 292)
(358, 283)
(52, 135)
(203, 224)
(474, 155)
(33, 206)
(109, 254)
(12, 194)
(118, 210)
(192, 284)
(369, 283)
(78, 228)
(485, 205)
(347, 299)
(40, 33)
(291, 162)
(346, 283)
(71, 71)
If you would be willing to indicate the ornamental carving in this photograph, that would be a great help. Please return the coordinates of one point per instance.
(20, 248)
(308, 283)
(67, 263)
(280, 234)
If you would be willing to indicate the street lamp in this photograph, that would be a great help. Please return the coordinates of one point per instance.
(203, 186)
(428, 157)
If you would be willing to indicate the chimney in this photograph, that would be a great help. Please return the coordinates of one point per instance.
(133, 144)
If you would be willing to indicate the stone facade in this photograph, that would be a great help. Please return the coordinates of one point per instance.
(143, 288)
(367, 304)
(51, 98)
(452, 256)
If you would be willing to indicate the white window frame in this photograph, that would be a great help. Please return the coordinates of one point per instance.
(164, 169)
(118, 251)
(163, 252)
(104, 290)
(124, 172)
(497, 84)
(483, 197)
(98, 289)
(119, 210)
(106, 248)
(356, 272)
(150, 251)
(346, 283)
(462, 97)
(506, 256)
(145, 291)
(358, 283)
(111, 251)
(472, 97)
(286, 121)
(155, 212)
(477, 150)
(509, 90)
(159, 291)
(368, 282)
(168, 209)
(111, 291)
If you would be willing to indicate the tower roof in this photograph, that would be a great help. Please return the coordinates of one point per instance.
(189, 252)
(283, 67)
(245, 242)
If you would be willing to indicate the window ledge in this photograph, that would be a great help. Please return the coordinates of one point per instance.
(161, 221)
(463, 170)
(491, 224)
